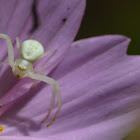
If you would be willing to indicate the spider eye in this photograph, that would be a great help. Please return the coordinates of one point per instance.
(31, 50)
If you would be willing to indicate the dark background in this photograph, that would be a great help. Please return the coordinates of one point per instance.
(113, 17)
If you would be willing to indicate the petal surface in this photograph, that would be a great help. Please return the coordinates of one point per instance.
(21, 138)
(99, 90)
(112, 129)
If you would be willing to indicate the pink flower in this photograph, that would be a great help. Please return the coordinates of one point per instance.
(99, 82)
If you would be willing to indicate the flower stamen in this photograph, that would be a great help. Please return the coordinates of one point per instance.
(1, 128)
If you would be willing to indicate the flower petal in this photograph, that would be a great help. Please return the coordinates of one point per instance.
(61, 26)
(112, 129)
(13, 15)
(96, 93)
(58, 36)
(21, 138)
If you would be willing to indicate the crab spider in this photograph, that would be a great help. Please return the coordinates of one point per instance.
(32, 51)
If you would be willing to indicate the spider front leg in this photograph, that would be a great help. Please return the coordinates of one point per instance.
(56, 91)
(42, 71)
(18, 47)
(10, 49)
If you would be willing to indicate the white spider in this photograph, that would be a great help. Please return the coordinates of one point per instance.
(32, 51)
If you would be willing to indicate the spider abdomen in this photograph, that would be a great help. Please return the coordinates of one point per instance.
(31, 50)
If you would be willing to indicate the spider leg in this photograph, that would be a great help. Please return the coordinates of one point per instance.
(46, 53)
(56, 91)
(51, 107)
(10, 49)
(18, 47)
(42, 71)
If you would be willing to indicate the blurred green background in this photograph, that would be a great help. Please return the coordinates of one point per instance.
(113, 17)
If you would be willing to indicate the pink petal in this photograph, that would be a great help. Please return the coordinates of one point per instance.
(111, 129)
(99, 91)
(21, 138)
(13, 17)
(56, 34)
